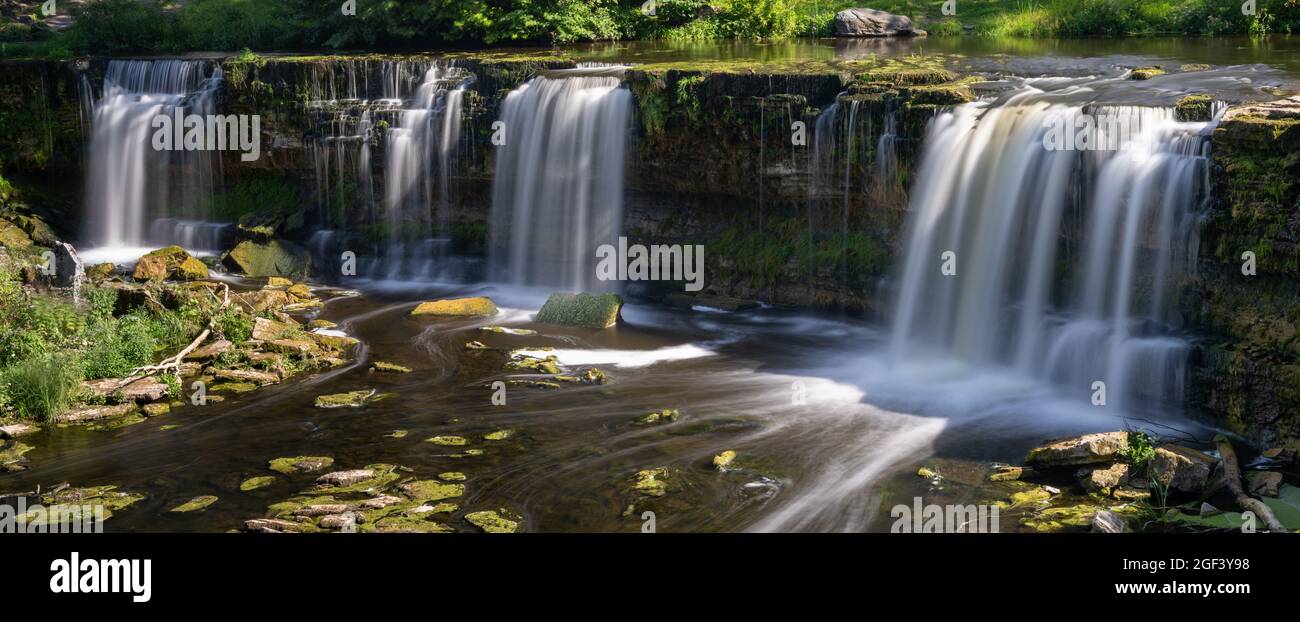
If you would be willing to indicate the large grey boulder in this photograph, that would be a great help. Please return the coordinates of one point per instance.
(873, 23)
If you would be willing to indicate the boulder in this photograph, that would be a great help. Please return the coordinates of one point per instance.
(586, 310)
(1087, 449)
(457, 307)
(291, 346)
(247, 375)
(1103, 479)
(873, 23)
(345, 478)
(1180, 468)
(96, 413)
(300, 464)
(331, 341)
(1106, 521)
(15, 430)
(147, 389)
(492, 522)
(211, 351)
(263, 300)
(171, 262)
(270, 330)
(100, 271)
(274, 258)
(1263, 483)
(69, 271)
(12, 236)
(1146, 73)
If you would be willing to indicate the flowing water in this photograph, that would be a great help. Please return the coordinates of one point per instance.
(129, 183)
(558, 189)
(1068, 271)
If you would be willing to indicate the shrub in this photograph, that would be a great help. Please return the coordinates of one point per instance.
(112, 27)
(42, 387)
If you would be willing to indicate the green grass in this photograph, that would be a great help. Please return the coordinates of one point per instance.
(41, 387)
(112, 27)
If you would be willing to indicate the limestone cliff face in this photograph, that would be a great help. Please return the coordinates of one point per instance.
(1246, 372)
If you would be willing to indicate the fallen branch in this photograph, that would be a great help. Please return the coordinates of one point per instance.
(1232, 478)
(173, 363)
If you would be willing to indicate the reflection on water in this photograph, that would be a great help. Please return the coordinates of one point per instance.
(1280, 52)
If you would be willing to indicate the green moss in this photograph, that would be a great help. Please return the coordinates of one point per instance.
(195, 504)
(352, 399)
(427, 491)
(493, 521)
(667, 414)
(253, 483)
(447, 440)
(1193, 108)
(300, 464)
(583, 309)
(498, 435)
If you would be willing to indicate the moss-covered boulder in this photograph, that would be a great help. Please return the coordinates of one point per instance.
(1087, 449)
(274, 258)
(171, 262)
(351, 399)
(300, 464)
(480, 306)
(12, 236)
(587, 310)
(493, 521)
(1194, 108)
(1146, 73)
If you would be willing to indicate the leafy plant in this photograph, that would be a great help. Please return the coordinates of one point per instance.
(42, 387)
(1141, 448)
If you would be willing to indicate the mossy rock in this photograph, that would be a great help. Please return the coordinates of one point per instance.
(253, 483)
(300, 464)
(1146, 73)
(381, 366)
(665, 415)
(12, 236)
(499, 435)
(171, 262)
(195, 504)
(480, 306)
(274, 258)
(100, 271)
(448, 440)
(724, 460)
(1193, 108)
(351, 399)
(406, 524)
(586, 310)
(452, 476)
(427, 490)
(652, 482)
(549, 365)
(493, 521)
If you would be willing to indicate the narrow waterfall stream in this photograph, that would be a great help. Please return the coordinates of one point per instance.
(136, 195)
(558, 190)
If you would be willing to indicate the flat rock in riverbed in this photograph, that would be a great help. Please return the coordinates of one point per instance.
(247, 375)
(1087, 449)
(211, 351)
(147, 389)
(345, 478)
(16, 429)
(96, 413)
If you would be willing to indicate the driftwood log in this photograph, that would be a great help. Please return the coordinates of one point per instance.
(1232, 478)
(173, 363)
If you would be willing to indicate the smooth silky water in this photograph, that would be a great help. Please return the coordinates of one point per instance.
(960, 375)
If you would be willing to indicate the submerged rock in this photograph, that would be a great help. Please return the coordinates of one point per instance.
(585, 310)
(652, 482)
(457, 307)
(667, 414)
(498, 435)
(11, 455)
(352, 399)
(14, 430)
(425, 491)
(448, 440)
(381, 366)
(253, 483)
(523, 362)
(492, 521)
(723, 460)
(300, 464)
(1009, 473)
(1087, 449)
(148, 389)
(873, 23)
(593, 376)
(508, 331)
(156, 410)
(452, 476)
(195, 504)
(171, 262)
(407, 524)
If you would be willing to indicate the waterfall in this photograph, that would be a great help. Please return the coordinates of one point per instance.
(558, 191)
(410, 112)
(128, 182)
(1067, 261)
(419, 152)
